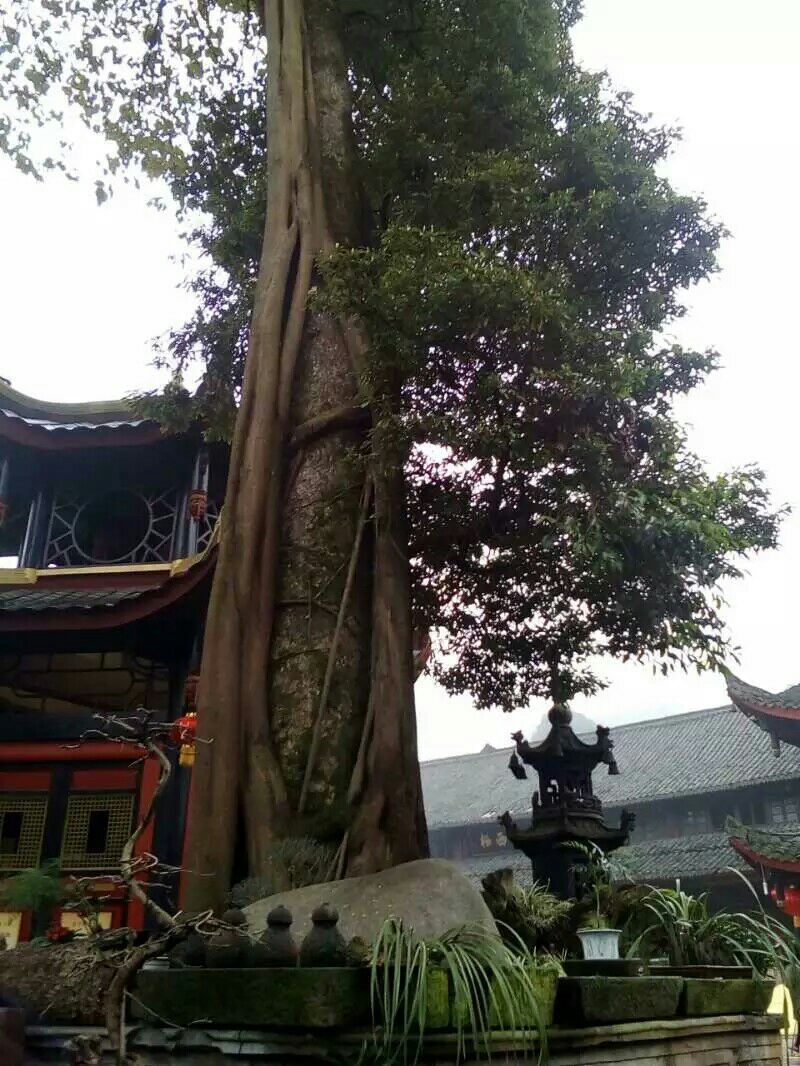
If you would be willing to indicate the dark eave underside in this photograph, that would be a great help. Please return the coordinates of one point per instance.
(58, 606)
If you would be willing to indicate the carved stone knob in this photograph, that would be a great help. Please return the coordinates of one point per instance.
(276, 946)
(324, 945)
(227, 948)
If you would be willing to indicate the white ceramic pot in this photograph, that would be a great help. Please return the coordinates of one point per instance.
(600, 943)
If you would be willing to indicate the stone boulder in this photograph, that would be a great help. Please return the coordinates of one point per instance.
(429, 895)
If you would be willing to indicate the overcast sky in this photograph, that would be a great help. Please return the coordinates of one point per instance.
(83, 290)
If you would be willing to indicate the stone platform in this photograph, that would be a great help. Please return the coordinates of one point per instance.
(727, 1040)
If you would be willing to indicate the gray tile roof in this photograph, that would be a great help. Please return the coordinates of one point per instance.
(701, 855)
(682, 755)
(103, 414)
(32, 599)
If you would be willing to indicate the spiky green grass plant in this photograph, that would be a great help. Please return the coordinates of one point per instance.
(492, 981)
(683, 928)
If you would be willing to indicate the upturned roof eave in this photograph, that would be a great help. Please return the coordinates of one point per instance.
(96, 411)
(757, 858)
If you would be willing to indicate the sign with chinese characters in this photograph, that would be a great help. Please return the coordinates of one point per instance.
(494, 840)
(10, 925)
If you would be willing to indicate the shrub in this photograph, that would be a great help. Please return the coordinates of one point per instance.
(531, 915)
(294, 863)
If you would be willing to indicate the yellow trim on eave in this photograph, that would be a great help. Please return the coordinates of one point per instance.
(23, 576)
(28, 576)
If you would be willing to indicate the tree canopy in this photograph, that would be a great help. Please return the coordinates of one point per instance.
(521, 261)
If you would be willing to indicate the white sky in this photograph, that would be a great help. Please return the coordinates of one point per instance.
(83, 290)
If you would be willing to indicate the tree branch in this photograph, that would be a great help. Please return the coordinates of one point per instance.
(334, 421)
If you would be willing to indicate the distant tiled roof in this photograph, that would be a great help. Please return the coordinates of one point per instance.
(682, 755)
(701, 855)
(50, 599)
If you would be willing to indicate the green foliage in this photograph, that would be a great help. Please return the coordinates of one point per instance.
(521, 261)
(294, 863)
(595, 872)
(532, 915)
(682, 928)
(489, 981)
(37, 889)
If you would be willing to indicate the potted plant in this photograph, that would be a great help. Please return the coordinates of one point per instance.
(730, 961)
(683, 937)
(597, 871)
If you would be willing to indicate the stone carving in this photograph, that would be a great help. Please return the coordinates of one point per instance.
(276, 946)
(324, 945)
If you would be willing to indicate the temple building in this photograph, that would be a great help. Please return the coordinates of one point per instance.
(107, 532)
(682, 776)
(773, 853)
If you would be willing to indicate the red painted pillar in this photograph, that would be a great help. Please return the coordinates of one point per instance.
(151, 772)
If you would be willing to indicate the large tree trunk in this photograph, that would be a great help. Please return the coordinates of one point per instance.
(306, 690)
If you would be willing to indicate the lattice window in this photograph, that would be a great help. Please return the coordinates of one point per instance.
(115, 527)
(96, 828)
(21, 830)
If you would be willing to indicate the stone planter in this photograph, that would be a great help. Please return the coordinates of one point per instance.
(546, 984)
(706, 996)
(605, 968)
(274, 997)
(600, 943)
(614, 1000)
(278, 997)
(728, 973)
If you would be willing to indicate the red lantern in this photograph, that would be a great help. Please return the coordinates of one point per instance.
(198, 501)
(773, 892)
(183, 733)
(791, 901)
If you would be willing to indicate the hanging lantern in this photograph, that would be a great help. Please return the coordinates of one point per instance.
(198, 503)
(183, 733)
(791, 901)
(198, 497)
